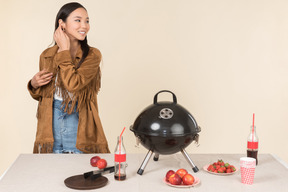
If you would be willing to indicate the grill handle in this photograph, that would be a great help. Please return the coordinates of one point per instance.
(174, 96)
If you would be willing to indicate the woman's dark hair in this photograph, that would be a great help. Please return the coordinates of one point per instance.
(63, 13)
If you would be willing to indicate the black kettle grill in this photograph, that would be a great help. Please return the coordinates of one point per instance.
(165, 128)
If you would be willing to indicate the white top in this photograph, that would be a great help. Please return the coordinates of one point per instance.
(57, 93)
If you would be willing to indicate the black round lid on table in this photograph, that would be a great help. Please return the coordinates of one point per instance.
(165, 119)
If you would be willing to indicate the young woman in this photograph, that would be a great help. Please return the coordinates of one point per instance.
(66, 87)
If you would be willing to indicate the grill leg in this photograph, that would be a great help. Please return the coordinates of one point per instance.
(194, 167)
(156, 157)
(144, 163)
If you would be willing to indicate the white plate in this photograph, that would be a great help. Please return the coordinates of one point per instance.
(206, 169)
(196, 182)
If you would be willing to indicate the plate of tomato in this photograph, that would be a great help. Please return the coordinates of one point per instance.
(180, 179)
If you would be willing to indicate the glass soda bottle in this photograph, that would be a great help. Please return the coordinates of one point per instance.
(120, 160)
(252, 144)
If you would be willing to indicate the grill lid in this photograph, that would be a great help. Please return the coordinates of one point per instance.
(165, 119)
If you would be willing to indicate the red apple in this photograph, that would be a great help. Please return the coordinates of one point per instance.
(93, 161)
(101, 163)
(175, 179)
(188, 179)
(169, 173)
(181, 172)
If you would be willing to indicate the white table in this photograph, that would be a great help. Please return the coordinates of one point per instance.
(47, 172)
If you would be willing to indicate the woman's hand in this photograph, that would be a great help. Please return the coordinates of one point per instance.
(41, 78)
(61, 38)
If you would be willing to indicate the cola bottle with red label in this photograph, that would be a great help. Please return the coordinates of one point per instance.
(252, 144)
(120, 160)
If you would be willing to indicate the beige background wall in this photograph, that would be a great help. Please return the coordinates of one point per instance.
(223, 59)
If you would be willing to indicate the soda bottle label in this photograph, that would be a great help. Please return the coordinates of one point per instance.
(120, 157)
(252, 145)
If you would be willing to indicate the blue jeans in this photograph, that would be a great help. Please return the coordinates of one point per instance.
(64, 129)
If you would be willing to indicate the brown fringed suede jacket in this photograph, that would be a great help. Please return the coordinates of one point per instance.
(84, 84)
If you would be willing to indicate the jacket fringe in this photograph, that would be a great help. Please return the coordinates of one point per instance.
(79, 96)
(48, 148)
(94, 149)
(43, 147)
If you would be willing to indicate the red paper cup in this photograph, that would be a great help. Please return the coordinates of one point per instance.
(247, 167)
